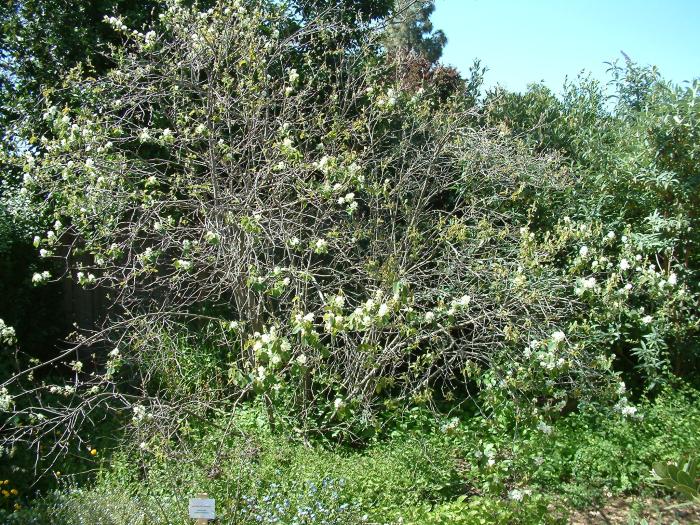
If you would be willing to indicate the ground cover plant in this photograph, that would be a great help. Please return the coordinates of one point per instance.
(340, 286)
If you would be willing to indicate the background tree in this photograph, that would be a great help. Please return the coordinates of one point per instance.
(411, 31)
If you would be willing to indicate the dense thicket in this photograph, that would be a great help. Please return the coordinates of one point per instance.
(304, 225)
(636, 177)
(333, 246)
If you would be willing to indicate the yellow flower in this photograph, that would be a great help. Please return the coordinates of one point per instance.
(6, 482)
(93, 452)
(5, 493)
(14, 492)
(17, 506)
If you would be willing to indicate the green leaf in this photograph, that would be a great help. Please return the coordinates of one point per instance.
(660, 469)
(685, 479)
(686, 491)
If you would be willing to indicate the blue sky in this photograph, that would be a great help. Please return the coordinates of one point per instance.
(523, 41)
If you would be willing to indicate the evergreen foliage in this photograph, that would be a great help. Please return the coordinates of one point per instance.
(411, 31)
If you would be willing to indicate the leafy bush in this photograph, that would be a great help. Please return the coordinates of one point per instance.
(395, 268)
(586, 456)
(634, 183)
(487, 511)
(333, 299)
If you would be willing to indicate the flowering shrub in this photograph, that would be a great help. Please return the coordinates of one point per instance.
(630, 241)
(8, 337)
(352, 246)
(300, 233)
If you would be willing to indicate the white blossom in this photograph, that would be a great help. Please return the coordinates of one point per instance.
(515, 495)
(544, 428)
(558, 336)
(211, 237)
(39, 278)
(628, 410)
(464, 300)
(7, 334)
(144, 135)
(139, 412)
(183, 264)
(589, 283)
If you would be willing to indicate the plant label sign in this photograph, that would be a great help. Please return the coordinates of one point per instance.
(202, 508)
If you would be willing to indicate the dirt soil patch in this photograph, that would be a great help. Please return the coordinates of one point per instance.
(634, 511)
